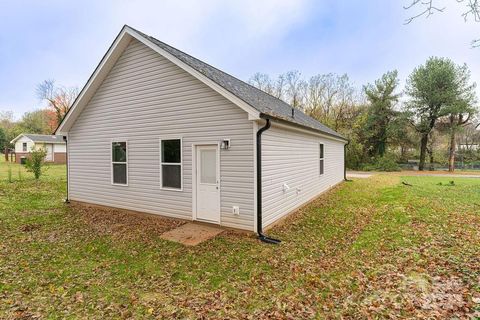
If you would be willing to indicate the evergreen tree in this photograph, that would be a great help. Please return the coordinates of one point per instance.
(382, 99)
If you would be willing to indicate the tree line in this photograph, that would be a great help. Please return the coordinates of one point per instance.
(384, 125)
(437, 110)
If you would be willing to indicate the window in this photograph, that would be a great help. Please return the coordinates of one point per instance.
(119, 163)
(171, 164)
(208, 169)
(24, 147)
(322, 159)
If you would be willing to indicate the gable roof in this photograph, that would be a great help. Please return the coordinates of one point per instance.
(256, 102)
(41, 138)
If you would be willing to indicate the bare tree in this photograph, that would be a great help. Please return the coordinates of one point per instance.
(429, 7)
(331, 99)
(316, 91)
(263, 82)
(469, 137)
(279, 87)
(60, 99)
(295, 89)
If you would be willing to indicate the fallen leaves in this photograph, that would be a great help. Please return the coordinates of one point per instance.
(366, 250)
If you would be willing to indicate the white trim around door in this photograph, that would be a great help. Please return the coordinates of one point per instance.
(206, 194)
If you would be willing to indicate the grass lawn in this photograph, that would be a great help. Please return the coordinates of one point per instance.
(372, 248)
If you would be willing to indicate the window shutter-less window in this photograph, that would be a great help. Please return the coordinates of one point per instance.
(171, 163)
(119, 163)
(322, 159)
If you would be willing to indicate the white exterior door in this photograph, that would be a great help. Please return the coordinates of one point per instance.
(207, 184)
(49, 149)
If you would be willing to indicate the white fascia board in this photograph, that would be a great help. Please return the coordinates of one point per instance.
(19, 136)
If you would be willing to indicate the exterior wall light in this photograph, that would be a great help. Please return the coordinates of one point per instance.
(225, 144)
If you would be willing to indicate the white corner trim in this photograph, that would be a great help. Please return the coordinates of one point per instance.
(255, 212)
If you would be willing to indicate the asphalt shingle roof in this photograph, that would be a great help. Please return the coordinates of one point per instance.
(258, 99)
(45, 138)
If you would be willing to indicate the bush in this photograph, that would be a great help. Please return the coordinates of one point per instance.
(386, 163)
(355, 155)
(36, 162)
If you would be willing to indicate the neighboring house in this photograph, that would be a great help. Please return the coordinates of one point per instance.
(467, 146)
(159, 131)
(53, 145)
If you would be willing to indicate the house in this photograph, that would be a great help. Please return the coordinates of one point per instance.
(158, 131)
(54, 145)
(468, 146)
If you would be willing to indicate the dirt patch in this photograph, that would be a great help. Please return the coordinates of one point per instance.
(124, 223)
(30, 227)
(191, 234)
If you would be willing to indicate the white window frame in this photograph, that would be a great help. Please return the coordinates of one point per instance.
(24, 147)
(116, 162)
(321, 158)
(171, 163)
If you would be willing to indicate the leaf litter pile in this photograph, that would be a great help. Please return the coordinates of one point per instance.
(368, 249)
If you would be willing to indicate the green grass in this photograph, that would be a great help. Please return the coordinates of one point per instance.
(370, 248)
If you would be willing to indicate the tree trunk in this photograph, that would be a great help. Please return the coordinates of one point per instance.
(451, 156)
(432, 167)
(402, 153)
(423, 151)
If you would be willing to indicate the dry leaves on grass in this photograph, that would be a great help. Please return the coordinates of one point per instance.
(124, 224)
(417, 295)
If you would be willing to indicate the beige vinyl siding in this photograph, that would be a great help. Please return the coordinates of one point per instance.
(292, 157)
(144, 98)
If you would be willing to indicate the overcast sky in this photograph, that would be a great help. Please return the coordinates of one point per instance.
(65, 40)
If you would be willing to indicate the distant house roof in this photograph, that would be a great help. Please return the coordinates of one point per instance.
(45, 138)
(265, 104)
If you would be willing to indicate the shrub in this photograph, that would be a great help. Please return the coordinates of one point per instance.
(36, 162)
(385, 163)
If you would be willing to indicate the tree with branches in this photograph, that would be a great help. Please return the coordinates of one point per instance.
(437, 89)
(460, 113)
(58, 98)
(382, 99)
(430, 7)
(295, 89)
